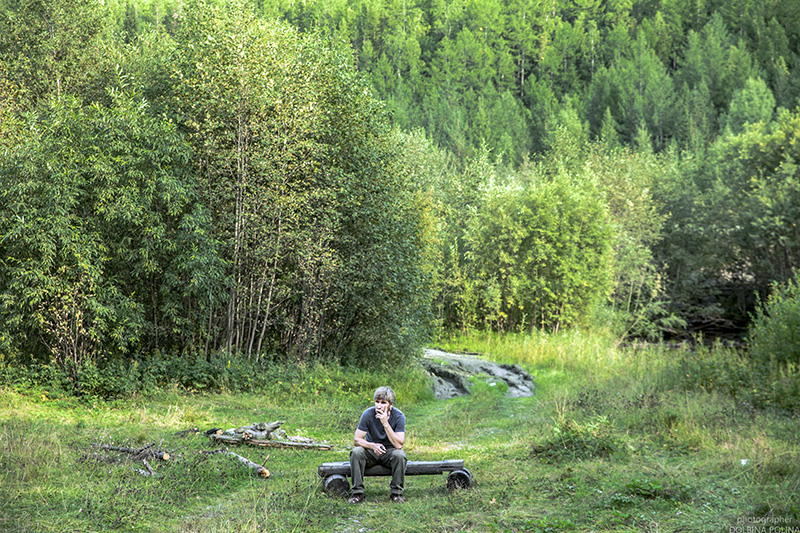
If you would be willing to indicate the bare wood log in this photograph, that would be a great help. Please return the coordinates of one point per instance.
(149, 472)
(122, 449)
(231, 439)
(101, 458)
(337, 485)
(255, 467)
(185, 432)
(268, 428)
(295, 438)
(253, 434)
(335, 474)
(144, 449)
(412, 468)
(459, 479)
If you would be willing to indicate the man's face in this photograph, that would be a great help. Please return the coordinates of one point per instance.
(383, 405)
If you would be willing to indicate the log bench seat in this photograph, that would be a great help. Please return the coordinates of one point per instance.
(335, 475)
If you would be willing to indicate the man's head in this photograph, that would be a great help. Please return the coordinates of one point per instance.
(384, 394)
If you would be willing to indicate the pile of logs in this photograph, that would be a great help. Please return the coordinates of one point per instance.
(263, 434)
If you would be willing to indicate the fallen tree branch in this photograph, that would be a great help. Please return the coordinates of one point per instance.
(136, 454)
(255, 467)
(149, 472)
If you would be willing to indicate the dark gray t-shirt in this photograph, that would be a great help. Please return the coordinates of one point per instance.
(374, 428)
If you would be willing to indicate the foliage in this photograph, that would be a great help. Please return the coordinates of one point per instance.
(775, 332)
(320, 224)
(574, 441)
(732, 213)
(103, 237)
(751, 104)
(328, 175)
(627, 180)
(488, 72)
(732, 217)
(518, 249)
(773, 347)
(50, 48)
(122, 378)
(540, 252)
(717, 369)
(764, 188)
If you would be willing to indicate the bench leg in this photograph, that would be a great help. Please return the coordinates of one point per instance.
(459, 479)
(337, 485)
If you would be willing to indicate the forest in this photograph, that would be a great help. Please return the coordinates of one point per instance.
(342, 180)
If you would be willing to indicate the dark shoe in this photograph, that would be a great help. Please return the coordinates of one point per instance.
(397, 498)
(356, 498)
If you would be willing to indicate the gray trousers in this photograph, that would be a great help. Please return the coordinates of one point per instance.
(361, 459)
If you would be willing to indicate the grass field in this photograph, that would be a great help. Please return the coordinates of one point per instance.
(613, 440)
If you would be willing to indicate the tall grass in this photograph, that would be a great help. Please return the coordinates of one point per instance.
(553, 356)
(590, 358)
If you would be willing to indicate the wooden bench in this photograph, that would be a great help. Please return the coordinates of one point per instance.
(335, 475)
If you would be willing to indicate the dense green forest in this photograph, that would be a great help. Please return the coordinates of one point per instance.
(338, 180)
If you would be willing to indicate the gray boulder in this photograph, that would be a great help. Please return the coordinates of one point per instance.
(450, 374)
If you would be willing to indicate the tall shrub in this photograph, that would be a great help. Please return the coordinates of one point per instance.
(774, 345)
(775, 331)
(541, 252)
(103, 238)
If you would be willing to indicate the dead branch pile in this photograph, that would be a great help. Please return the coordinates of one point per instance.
(260, 434)
(136, 454)
(133, 454)
(264, 434)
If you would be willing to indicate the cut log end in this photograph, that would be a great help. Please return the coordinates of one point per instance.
(337, 485)
(459, 479)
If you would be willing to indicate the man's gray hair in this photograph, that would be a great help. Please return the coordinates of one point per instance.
(384, 393)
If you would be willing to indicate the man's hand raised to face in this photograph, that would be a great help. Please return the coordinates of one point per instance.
(382, 413)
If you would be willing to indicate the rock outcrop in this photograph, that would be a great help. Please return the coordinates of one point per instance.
(451, 374)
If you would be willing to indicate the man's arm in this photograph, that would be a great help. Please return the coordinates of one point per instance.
(359, 440)
(396, 438)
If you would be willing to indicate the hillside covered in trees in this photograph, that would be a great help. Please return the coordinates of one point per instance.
(339, 179)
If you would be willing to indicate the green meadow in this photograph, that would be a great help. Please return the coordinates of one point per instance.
(616, 438)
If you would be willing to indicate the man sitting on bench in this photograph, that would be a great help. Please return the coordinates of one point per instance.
(378, 440)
